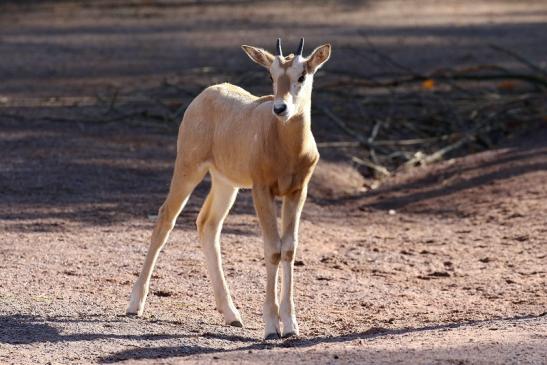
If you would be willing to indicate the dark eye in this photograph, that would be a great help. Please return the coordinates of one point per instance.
(302, 78)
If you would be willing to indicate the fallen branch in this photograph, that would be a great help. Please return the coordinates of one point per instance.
(519, 58)
(337, 144)
(380, 169)
(422, 159)
(455, 76)
(340, 123)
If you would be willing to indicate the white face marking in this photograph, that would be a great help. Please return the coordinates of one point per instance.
(286, 86)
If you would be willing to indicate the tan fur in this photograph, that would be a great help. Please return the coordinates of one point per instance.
(283, 86)
(234, 136)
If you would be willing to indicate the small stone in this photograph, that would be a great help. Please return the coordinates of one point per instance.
(323, 278)
(440, 274)
(163, 293)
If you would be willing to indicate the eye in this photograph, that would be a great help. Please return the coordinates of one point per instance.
(301, 79)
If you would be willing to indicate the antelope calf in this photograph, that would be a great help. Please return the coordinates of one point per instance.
(244, 141)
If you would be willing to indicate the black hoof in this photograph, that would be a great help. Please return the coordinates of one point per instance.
(290, 334)
(236, 324)
(272, 336)
(131, 314)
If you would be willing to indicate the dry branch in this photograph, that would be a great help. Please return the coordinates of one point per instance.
(380, 169)
(340, 123)
(521, 59)
(426, 117)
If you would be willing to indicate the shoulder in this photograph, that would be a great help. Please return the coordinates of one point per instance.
(229, 94)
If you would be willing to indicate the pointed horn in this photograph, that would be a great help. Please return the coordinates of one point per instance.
(300, 47)
(278, 48)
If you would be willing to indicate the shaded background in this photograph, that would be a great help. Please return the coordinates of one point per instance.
(401, 258)
(80, 48)
(129, 58)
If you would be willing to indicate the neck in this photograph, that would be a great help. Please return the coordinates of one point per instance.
(296, 133)
(302, 117)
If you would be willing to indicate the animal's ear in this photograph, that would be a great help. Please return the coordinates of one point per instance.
(259, 55)
(318, 57)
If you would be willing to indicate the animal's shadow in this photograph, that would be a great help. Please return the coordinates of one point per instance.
(24, 330)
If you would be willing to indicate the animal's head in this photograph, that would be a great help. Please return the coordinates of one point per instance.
(292, 75)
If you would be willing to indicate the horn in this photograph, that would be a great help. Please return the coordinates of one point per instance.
(278, 48)
(300, 47)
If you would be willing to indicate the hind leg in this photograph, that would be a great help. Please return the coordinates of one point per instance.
(184, 181)
(209, 224)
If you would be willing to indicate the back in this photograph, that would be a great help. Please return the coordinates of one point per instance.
(226, 120)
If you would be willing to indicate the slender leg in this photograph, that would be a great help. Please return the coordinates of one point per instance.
(210, 220)
(290, 220)
(183, 182)
(265, 209)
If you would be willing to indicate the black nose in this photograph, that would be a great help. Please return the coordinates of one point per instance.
(280, 109)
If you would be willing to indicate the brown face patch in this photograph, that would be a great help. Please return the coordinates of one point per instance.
(283, 85)
(284, 81)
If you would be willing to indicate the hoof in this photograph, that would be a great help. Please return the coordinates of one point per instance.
(133, 313)
(236, 324)
(272, 336)
(290, 334)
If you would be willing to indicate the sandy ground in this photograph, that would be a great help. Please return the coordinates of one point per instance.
(442, 265)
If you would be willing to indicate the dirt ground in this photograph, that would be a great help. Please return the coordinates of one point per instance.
(441, 265)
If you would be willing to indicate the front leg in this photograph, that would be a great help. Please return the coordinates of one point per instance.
(290, 218)
(265, 210)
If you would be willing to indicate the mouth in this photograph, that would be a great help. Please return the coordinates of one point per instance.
(283, 115)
